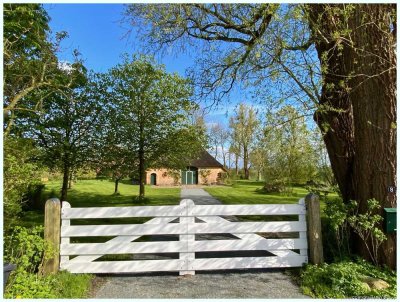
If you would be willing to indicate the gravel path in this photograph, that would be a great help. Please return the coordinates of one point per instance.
(199, 196)
(263, 283)
(267, 285)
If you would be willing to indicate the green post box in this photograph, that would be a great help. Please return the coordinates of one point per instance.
(390, 220)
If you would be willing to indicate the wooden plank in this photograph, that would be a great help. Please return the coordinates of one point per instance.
(124, 266)
(247, 262)
(122, 212)
(65, 240)
(180, 246)
(167, 211)
(174, 228)
(303, 235)
(260, 209)
(122, 248)
(122, 239)
(187, 239)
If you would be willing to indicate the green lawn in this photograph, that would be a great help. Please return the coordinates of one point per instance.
(248, 192)
(99, 193)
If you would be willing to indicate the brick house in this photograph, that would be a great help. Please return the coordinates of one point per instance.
(203, 170)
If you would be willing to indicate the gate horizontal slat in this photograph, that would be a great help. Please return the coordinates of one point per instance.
(121, 212)
(259, 209)
(176, 246)
(175, 228)
(168, 211)
(124, 266)
(247, 262)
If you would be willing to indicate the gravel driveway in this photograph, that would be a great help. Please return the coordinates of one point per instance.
(266, 284)
(262, 283)
(199, 196)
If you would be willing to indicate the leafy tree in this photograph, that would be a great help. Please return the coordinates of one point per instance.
(350, 84)
(243, 126)
(291, 157)
(30, 63)
(258, 158)
(66, 129)
(152, 108)
(219, 137)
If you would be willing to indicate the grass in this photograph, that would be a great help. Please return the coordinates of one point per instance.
(99, 193)
(248, 192)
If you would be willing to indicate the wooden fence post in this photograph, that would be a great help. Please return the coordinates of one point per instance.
(52, 234)
(316, 253)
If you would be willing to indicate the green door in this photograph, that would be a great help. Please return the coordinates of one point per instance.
(189, 177)
(153, 179)
(183, 178)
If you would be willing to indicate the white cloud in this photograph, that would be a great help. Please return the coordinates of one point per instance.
(65, 66)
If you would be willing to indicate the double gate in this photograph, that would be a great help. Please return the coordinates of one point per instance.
(184, 238)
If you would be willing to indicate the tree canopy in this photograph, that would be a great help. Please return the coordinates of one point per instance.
(152, 109)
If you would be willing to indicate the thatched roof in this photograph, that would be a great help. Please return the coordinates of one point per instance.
(205, 160)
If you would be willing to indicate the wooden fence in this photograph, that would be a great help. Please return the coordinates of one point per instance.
(188, 227)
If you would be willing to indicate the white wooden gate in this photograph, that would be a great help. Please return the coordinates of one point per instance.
(194, 220)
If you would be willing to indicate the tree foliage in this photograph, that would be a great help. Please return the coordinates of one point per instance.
(21, 170)
(152, 108)
(67, 127)
(291, 157)
(30, 61)
(244, 125)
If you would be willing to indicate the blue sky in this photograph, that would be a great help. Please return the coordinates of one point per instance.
(97, 32)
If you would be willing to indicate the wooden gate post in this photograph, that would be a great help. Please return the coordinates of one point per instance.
(316, 253)
(52, 234)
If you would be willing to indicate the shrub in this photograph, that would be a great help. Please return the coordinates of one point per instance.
(346, 280)
(27, 249)
(34, 197)
(342, 218)
(274, 187)
(20, 171)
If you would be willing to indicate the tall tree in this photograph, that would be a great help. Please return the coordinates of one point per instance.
(30, 62)
(153, 112)
(291, 157)
(355, 101)
(244, 124)
(66, 129)
(219, 138)
(360, 84)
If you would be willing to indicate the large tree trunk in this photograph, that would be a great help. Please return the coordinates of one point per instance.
(116, 186)
(64, 188)
(246, 162)
(237, 164)
(71, 174)
(142, 174)
(360, 86)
